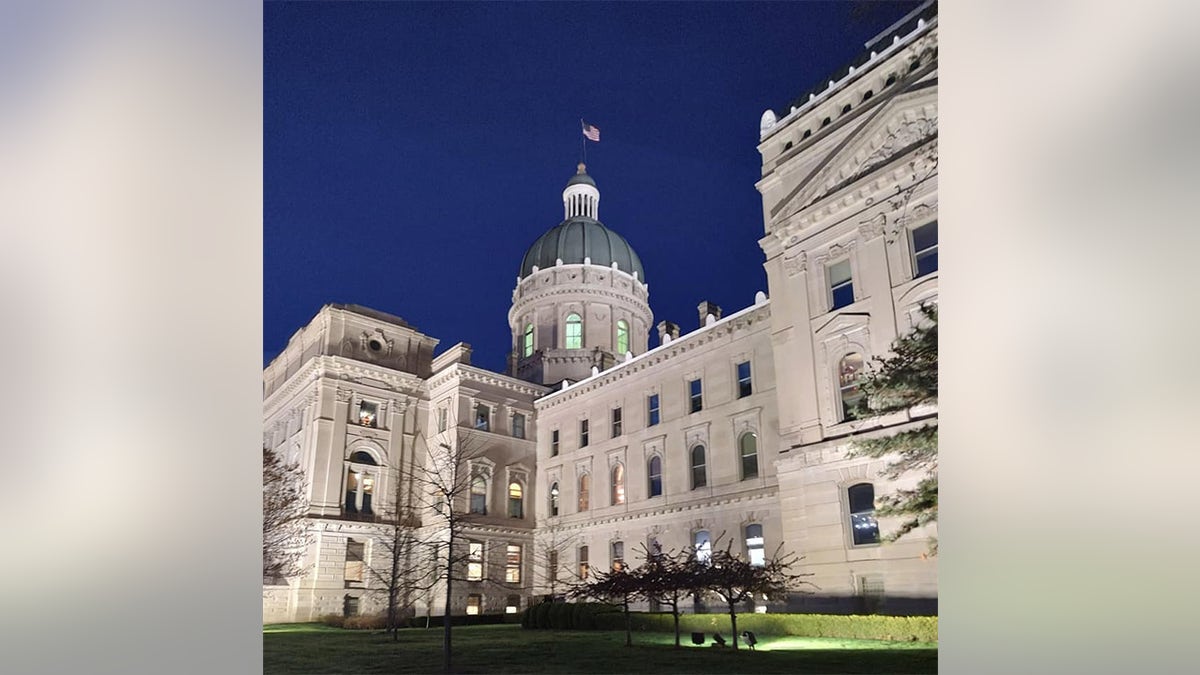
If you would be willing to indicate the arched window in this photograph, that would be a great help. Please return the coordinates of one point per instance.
(622, 338)
(528, 347)
(584, 485)
(755, 545)
(864, 528)
(554, 499)
(574, 332)
(618, 484)
(655, 473)
(703, 545)
(699, 476)
(362, 457)
(479, 495)
(850, 371)
(748, 444)
(516, 502)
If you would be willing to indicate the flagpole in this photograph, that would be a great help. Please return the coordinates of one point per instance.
(582, 144)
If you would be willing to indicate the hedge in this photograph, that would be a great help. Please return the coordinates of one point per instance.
(565, 615)
(379, 621)
(869, 627)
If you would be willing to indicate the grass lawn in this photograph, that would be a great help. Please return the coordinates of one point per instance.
(308, 648)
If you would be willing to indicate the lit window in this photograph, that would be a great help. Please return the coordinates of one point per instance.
(699, 477)
(518, 425)
(482, 416)
(748, 444)
(652, 410)
(703, 545)
(616, 422)
(925, 249)
(574, 332)
(618, 484)
(583, 562)
(512, 565)
(841, 287)
(864, 528)
(474, 603)
(516, 504)
(622, 338)
(655, 471)
(554, 443)
(512, 604)
(618, 555)
(743, 376)
(359, 488)
(850, 371)
(355, 562)
(554, 499)
(755, 546)
(367, 413)
(474, 561)
(528, 339)
(479, 495)
(584, 484)
(696, 395)
(583, 433)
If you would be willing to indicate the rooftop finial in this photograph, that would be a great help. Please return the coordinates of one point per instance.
(582, 168)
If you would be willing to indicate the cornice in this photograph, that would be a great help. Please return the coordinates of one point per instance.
(682, 345)
(569, 522)
(458, 373)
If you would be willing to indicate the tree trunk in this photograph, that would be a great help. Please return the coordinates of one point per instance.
(675, 613)
(733, 622)
(446, 612)
(628, 628)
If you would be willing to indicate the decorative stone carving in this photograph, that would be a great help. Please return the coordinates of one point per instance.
(796, 264)
(911, 131)
(344, 395)
(873, 227)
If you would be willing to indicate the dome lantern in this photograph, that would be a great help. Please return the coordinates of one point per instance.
(581, 198)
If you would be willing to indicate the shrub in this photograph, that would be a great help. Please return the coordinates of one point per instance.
(335, 620)
(565, 615)
(872, 627)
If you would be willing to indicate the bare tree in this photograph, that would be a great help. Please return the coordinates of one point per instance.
(400, 568)
(735, 580)
(668, 577)
(285, 505)
(552, 550)
(441, 485)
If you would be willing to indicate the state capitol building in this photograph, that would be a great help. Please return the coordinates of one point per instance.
(609, 434)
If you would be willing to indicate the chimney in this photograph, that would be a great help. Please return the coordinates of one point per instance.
(667, 331)
(705, 308)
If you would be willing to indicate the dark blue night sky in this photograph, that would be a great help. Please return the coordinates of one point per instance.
(412, 151)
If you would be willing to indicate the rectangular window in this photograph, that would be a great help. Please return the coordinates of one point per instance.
(512, 605)
(616, 422)
(743, 374)
(367, 413)
(925, 249)
(474, 603)
(552, 567)
(554, 443)
(871, 590)
(618, 555)
(512, 565)
(355, 555)
(518, 425)
(349, 606)
(583, 562)
(482, 417)
(841, 287)
(474, 561)
(583, 433)
(696, 395)
(755, 545)
(441, 419)
(652, 410)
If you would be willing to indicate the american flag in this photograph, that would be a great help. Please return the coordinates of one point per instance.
(592, 133)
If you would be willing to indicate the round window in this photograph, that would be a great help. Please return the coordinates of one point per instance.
(375, 345)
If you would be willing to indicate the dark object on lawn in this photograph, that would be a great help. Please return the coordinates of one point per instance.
(718, 641)
(751, 640)
(697, 638)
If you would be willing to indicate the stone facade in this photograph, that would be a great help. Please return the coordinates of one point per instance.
(735, 433)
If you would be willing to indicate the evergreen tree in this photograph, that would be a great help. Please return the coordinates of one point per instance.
(906, 379)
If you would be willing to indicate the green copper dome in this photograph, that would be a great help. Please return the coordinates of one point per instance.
(581, 178)
(581, 237)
